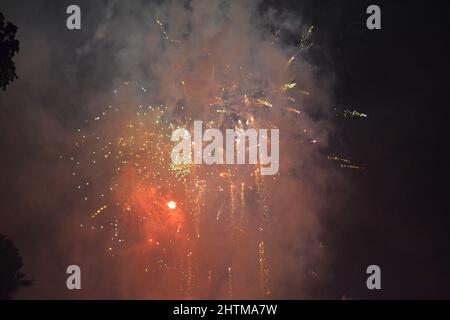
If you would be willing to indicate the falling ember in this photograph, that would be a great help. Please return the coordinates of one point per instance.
(230, 283)
(290, 61)
(209, 278)
(189, 276)
(263, 270)
(242, 199)
(293, 110)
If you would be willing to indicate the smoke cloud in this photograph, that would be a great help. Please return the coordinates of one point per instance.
(243, 235)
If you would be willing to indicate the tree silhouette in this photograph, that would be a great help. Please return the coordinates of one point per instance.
(11, 279)
(9, 46)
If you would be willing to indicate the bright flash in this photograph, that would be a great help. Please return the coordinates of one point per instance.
(172, 205)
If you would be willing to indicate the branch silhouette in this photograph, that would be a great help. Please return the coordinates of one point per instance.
(9, 46)
(11, 278)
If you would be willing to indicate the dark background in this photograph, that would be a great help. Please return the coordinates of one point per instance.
(398, 214)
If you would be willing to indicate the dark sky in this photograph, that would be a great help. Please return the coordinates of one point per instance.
(395, 211)
(398, 215)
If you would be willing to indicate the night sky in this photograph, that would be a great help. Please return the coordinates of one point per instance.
(392, 213)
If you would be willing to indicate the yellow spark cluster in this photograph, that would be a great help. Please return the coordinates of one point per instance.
(288, 86)
(354, 114)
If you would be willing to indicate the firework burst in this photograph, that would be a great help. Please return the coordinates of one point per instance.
(205, 225)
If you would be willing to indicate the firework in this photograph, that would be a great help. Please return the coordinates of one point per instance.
(354, 114)
(175, 215)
